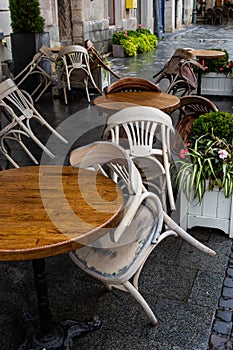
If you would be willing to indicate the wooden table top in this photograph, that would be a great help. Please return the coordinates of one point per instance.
(116, 101)
(208, 53)
(56, 49)
(79, 204)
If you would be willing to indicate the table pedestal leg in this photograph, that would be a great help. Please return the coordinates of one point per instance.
(48, 334)
(199, 76)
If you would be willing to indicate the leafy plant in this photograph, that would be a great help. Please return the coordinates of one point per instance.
(220, 65)
(135, 41)
(207, 160)
(219, 123)
(25, 16)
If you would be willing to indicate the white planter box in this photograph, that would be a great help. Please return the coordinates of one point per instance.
(215, 211)
(102, 78)
(216, 84)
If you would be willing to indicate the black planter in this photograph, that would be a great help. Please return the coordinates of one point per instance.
(24, 46)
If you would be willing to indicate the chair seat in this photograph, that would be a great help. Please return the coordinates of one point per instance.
(113, 260)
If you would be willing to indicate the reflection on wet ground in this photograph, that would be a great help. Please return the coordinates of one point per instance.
(196, 37)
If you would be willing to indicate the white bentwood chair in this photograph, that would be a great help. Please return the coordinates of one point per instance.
(35, 69)
(147, 131)
(117, 258)
(20, 111)
(75, 69)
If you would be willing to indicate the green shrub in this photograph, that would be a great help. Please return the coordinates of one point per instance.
(218, 65)
(135, 41)
(25, 16)
(219, 123)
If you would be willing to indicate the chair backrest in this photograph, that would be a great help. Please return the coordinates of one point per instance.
(225, 11)
(141, 125)
(231, 12)
(47, 53)
(147, 131)
(74, 56)
(132, 84)
(12, 98)
(191, 107)
(112, 161)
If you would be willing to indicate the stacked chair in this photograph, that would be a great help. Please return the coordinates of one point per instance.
(179, 73)
(75, 69)
(117, 258)
(18, 108)
(36, 69)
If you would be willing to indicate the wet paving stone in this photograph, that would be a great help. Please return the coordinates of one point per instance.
(221, 327)
(224, 315)
(219, 343)
(228, 282)
(227, 292)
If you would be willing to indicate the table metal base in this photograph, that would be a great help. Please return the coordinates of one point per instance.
(60, 338)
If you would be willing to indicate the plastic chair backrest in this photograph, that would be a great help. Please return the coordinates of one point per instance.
(140, 124)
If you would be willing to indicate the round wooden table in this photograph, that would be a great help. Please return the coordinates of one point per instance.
(208, 53)
(49, 210)
(203, 54)
(116, 101)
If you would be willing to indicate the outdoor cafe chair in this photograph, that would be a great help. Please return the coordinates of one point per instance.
(20, 111)
(179, 73)
(191, 107)
(37, 69)
(218, 15)
(74, 69)
(209, 16)
(117, 258)
(132, 84)
(147, 131)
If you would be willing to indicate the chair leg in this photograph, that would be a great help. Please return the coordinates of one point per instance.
(137, 296)
(187, 237)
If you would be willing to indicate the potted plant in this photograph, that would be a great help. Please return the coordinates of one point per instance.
(204, 173)
(28, 32)
(217, 77)
(133, 42)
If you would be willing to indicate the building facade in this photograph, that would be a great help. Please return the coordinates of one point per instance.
(74, 21)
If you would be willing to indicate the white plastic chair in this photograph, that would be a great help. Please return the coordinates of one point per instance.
(75, 69)
(118, 257)
(19, 112)
(35, 68)
(141, 126)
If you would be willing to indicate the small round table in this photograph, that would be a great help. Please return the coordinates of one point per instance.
(203, 54)
(119, 100)
(50, 210)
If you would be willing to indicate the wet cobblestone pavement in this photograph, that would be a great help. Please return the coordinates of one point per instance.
(222, 328)
(191, 293)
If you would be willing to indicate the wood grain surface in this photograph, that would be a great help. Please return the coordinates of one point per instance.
(119, 100)
(49, 210)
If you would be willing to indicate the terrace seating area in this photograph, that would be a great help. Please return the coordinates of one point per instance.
(180, 284)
